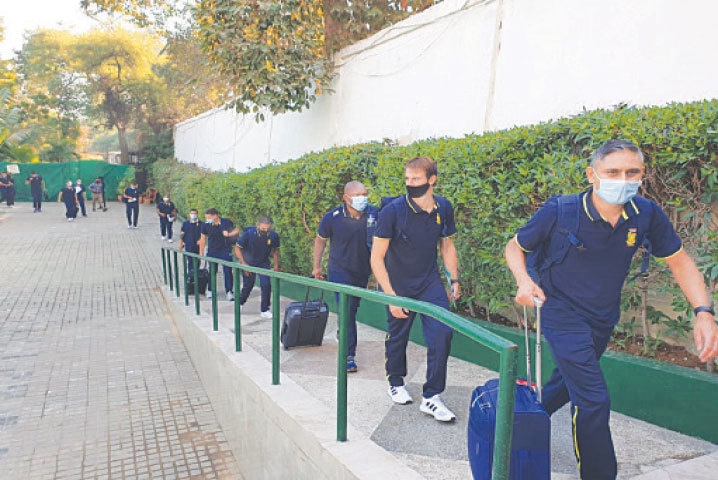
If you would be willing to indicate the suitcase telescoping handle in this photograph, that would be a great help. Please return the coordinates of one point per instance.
(538, 304)
(306, 300)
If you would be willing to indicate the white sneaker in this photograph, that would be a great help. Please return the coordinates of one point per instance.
(435, 407)
(267, 314)
(135, 226)
(400, 395)
(164, 238)
(129, 226)
(170, 240)
(230, 295)
(209, 293)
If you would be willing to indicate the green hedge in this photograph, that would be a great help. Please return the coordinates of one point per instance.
(495, 181)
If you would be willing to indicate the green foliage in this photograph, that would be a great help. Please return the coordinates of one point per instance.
(273, 52)
(276, 56)
(495, 181)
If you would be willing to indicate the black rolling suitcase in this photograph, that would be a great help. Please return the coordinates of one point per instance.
(203, 279)
(304, 323)
(531, 442)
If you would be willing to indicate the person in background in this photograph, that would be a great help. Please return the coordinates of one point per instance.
(349, 228)
(37, 188)
(254, 248)
(410, 232)
(98, 193)
(81, 195)
(4, 184)
(167, 212)
(216, 237)
(104, 196)
(131, 197)
(581, 293)
(9, 184)
(68, 196)
(190, 234)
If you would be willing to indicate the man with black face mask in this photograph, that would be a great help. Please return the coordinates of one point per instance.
(404, 262)
(253, 248)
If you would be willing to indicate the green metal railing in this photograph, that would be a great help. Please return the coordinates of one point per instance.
(508, 351)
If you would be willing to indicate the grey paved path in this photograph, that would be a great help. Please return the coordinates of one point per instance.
(93, 382)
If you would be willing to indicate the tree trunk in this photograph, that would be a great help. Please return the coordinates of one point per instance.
(124, 149)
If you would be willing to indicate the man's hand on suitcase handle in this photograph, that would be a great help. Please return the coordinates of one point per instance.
(528, 292)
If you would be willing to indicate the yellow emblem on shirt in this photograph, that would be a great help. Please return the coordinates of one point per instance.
(269, 242)
(438, 218)
(631, 237)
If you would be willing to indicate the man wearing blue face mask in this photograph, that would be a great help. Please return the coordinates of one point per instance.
(215, 234)
(581, 289)
(190, 234)
(349, 228)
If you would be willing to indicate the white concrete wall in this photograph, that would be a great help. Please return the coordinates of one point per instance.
(469, 66)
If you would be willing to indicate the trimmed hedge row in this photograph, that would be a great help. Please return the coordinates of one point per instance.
(495, 181)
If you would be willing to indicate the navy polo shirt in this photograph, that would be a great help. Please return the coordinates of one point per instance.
(35, 184)
(134, 193)
(414, 236)
(216, 241)
(590, 279)
(190, 235)
(349, 249)
(256, 248)
(68, 195)
(166, 208)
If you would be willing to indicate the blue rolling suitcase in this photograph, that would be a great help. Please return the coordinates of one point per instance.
(531, 438)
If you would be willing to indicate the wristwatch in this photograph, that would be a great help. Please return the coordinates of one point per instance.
(455, 280)
(704, 308)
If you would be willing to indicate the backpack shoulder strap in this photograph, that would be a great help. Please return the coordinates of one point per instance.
(563, 236)
(643, 223)
(567, 217)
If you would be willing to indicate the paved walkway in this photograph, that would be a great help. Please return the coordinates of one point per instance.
(94, 384)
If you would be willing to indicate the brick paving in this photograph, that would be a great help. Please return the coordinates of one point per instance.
(94, 383)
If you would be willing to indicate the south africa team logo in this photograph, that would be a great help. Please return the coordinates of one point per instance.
(631, 237)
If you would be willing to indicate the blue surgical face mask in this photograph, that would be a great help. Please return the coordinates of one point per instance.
(360, 202)
(193, 217)
(617, 192)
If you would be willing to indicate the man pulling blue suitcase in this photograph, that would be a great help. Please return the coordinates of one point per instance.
(531, 439)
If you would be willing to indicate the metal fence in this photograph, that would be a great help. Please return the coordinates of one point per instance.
(506, 350)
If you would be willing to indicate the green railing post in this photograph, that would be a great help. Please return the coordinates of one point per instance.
(177, 289)
(343, 319)
(505, 413)
(184, 278)
(169, 269)
(164, 266)
(195, 273)
(215, 313)
(237, 311)
(275, 330)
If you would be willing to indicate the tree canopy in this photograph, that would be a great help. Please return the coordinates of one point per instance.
(276, 56)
